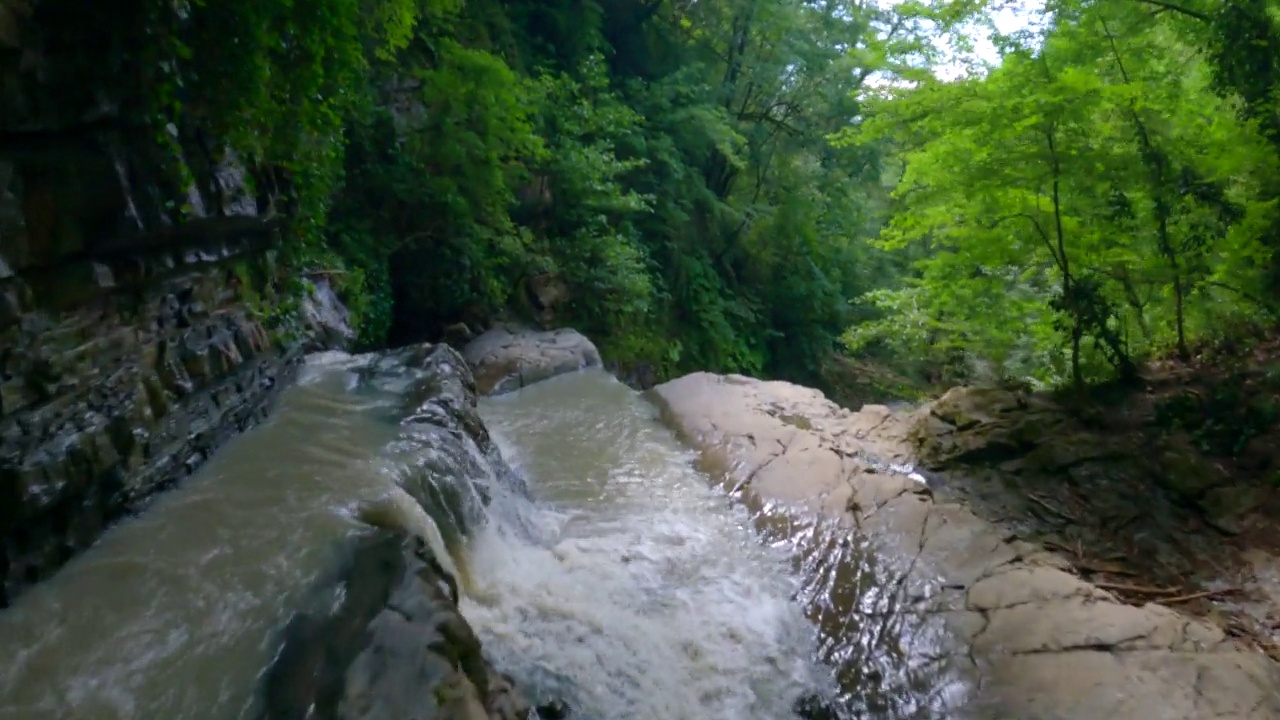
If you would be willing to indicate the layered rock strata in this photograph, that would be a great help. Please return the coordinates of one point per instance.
(139, 288)
(932, 610)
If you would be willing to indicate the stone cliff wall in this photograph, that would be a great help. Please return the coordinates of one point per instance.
(136, 275)
(116, 378)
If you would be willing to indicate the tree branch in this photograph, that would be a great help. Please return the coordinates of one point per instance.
(1181, 10)
(776, 122)
(1039, 230)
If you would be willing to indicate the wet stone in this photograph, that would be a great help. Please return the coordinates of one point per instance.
(507, 359)
(10, 306)
(117, 377)
(955, 617)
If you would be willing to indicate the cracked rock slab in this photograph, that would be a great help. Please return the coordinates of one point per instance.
(1003, 627)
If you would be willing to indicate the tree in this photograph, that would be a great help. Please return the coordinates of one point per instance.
(1085, 186)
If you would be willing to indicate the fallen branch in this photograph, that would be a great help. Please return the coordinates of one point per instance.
(1140, 589)
(1199, 595)
(1055, 545)
(1107, 568)
(1048, 506)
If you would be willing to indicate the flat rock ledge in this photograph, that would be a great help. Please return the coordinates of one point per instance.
(382, 637)
(506, 359)
(976, 623)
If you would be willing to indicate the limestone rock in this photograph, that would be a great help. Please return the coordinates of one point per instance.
(507, 359)
(935, 597)
(970, 423)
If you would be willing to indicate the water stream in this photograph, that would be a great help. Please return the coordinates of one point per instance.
(649, 588)
(171, 614)
(629, 587)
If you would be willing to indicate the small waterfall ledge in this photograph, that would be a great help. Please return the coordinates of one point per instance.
(385, 638)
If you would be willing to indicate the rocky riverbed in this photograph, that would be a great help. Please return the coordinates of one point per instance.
(1035, 639)
(941, 554)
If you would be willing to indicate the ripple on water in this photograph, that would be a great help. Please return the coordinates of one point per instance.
(629, 585)
(172, 614)
(652, 598)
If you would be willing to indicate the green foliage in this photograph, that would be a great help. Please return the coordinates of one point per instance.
(1092, 201)
(581, 210)
(718, 186)
(275, 80)
(425, 210)
(1223, 422)
(685, 194)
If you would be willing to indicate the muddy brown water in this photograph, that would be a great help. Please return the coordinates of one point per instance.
(170, 615)
(629, 585)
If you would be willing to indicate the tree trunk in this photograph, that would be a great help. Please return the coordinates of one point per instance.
(1155, 161)
(1077, 333)
(1071, 303)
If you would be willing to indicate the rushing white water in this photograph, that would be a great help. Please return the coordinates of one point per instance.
(640, 593)
(650, 593)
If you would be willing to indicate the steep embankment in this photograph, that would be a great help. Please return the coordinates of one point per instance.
(139, 290)
(1038, 641)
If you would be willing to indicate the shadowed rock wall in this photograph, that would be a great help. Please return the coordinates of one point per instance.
(136, 278)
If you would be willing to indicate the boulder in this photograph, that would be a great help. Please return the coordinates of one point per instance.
(457, 335)
(1187, 475)
(981, 423)
(395, 647)
(548, 290)
(506, 359)
(1226, 507)
(932, 610)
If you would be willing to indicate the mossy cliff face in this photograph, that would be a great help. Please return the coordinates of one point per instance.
(138, 283)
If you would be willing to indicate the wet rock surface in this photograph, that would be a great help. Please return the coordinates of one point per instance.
(135, 277)
(118, 381)
(395, 645)
(506, 359)
(929, 609)
(324, 315)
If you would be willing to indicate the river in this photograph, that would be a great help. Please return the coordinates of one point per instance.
(649, 589)
(629, 586)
